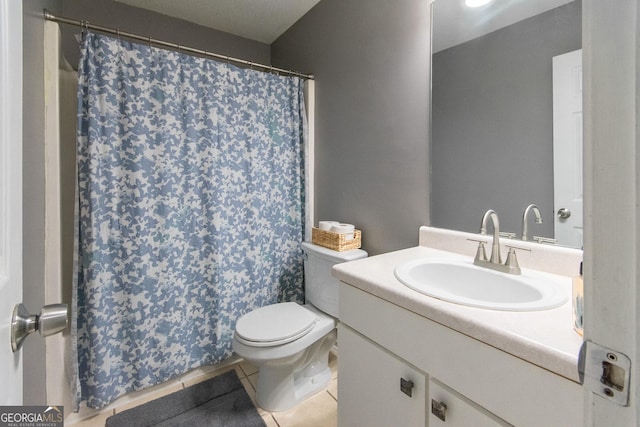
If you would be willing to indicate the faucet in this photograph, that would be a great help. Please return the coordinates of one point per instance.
(496, 258)
(495, 261)
(538, 215)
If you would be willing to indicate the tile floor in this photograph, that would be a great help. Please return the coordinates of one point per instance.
(320, 410)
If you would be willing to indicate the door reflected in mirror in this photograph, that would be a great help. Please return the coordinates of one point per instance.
(493, 142)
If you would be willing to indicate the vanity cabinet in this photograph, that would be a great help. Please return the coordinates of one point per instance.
(376, 388)
(380, 343)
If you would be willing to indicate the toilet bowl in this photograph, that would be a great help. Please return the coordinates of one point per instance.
(282, 381)
(289, 342)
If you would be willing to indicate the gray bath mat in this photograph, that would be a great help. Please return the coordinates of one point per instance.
(220, 401)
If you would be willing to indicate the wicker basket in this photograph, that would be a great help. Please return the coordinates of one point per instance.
(337, 242)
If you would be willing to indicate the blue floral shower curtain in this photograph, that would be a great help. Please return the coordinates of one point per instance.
(190, 210)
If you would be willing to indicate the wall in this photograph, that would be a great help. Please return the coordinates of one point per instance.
(33, 189)
(371, 63)
(110, 13)
(492, 145)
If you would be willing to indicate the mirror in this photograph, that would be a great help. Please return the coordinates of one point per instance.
(492, 142)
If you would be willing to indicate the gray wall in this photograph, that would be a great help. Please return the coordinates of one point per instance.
(33, 189)
(371, 62)
(144, 22)
(492, 136)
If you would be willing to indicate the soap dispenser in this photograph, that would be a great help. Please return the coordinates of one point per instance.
(578, 302)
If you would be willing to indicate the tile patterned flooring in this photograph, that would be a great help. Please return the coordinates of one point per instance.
(320, 410)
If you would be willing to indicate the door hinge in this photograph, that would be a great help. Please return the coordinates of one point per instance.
(605, 372)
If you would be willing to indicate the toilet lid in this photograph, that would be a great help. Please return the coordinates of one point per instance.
(275, 324)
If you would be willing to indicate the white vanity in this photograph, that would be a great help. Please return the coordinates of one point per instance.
(407, 359)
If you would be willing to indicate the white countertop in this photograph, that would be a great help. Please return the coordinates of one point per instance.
(545, 338)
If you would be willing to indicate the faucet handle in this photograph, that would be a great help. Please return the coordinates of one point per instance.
(512, 261)
(481, 254)
(519, 248)
(507, 234)
(545, 240)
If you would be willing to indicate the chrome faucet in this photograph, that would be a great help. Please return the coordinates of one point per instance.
(538, 215)
(495, 261)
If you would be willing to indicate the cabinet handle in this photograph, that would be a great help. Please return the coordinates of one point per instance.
(406, 386)
(439, 409)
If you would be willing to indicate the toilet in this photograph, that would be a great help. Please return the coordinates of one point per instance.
(289, 342)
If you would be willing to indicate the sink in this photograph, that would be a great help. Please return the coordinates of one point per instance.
(462, 282)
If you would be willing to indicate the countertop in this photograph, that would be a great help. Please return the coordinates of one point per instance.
(545, 338)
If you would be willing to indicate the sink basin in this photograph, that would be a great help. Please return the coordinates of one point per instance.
(462, 282)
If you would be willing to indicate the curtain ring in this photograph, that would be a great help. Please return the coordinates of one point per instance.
(149, 40)
(118, 33)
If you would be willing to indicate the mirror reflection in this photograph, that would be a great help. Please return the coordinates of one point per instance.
(506, 105)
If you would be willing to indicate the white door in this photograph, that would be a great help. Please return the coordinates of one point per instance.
(567, 148)
(370, 385)
(10, 194)
(612, 236)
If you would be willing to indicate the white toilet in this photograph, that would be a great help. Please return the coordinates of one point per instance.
(290, 343)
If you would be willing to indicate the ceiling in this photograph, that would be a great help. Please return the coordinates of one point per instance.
(260, 20)
(266, 20)
(454, 23)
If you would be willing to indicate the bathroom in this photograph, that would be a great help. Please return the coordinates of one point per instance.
(371, 62)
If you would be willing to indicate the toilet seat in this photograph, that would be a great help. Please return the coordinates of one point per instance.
(275, 324)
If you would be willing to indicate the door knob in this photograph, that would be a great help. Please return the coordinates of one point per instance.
(564, 213)
(52, 319)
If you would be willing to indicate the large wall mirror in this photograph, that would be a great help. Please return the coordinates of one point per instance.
(506, 107)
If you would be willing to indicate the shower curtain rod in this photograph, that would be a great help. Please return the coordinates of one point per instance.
(116, 32)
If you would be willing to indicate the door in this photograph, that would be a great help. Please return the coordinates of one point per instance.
(376, 388)
(612, 171)
(10, 194)
(567, 148)
(449, 408)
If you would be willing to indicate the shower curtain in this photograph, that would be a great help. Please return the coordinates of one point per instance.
(190, 210)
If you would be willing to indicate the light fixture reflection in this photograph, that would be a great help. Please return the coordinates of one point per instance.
(476, 3)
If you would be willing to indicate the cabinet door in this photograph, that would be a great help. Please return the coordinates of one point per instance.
(450, 409)
(374, 388)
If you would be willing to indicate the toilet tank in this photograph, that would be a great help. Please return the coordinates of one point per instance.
(320, 287)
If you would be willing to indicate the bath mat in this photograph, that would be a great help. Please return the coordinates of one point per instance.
(220, 401)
